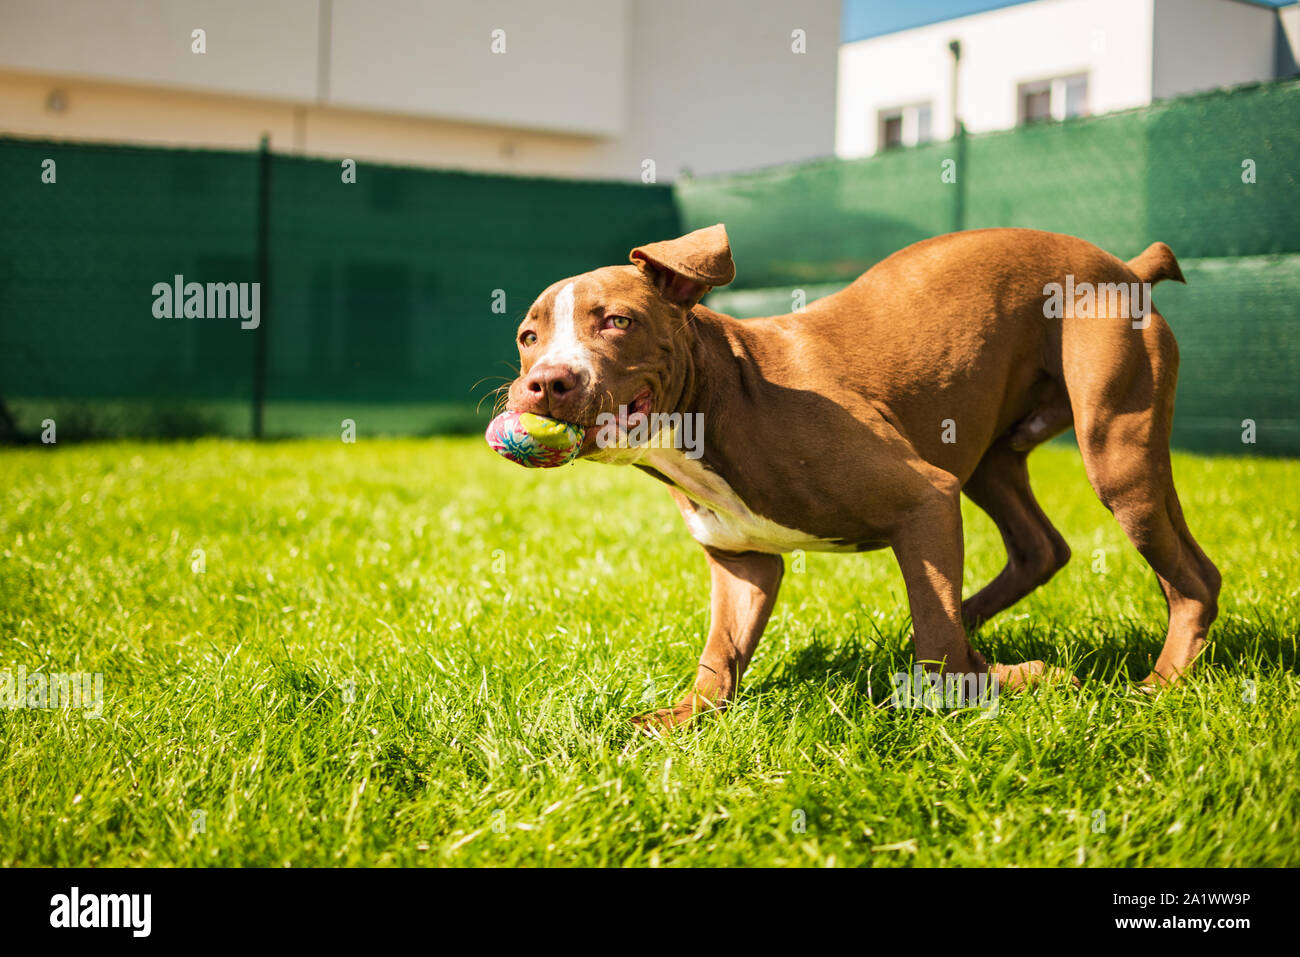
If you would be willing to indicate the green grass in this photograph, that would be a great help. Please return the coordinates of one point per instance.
(413, 652)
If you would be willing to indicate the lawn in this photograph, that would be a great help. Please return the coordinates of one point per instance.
(402, 652)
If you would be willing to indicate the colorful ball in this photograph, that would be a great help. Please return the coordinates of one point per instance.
(534, 441)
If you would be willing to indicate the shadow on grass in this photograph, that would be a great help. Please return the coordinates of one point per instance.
(1097, 651)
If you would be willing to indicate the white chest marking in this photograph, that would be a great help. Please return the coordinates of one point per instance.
(718, 518)
(565, 348)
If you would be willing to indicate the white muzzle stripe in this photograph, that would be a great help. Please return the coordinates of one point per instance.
(565, 348)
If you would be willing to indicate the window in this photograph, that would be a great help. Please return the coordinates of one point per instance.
(1076, 96)
(923, 123)
(904, 126)
(892, 131)
(1055, 99)
(1035, 105)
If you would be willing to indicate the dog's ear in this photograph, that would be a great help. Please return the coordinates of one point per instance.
(684, 269)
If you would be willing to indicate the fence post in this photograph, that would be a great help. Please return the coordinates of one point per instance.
(959, 134)
(963, 171)
(260, 344)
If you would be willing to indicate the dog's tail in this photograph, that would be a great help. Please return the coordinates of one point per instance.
(1156, 262)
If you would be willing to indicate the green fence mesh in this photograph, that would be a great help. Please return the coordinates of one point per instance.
(1175, 172)
(380, 296)
(1237, 363)
(1172, 171)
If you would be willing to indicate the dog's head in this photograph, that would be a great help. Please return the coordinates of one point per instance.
(613, 339)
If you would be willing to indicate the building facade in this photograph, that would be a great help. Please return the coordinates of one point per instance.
(1051, 59)
(606, 89)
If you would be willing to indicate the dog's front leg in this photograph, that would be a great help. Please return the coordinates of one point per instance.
(744, 587)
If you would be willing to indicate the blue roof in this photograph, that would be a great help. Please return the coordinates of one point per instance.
(873, 18)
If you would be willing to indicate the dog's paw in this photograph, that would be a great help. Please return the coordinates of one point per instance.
(685, 711)
(1028, 674)
(655, 723)
(1155, 682)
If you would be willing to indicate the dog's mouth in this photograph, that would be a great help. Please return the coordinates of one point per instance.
(617, 428)
(638, 410)
(626, 416)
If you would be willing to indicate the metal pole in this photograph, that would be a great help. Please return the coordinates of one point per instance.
(260, 344)
(959, 134)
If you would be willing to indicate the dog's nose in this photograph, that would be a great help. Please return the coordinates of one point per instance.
(551, 388)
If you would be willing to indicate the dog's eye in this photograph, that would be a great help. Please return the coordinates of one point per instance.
(528, 338)
(617, 322)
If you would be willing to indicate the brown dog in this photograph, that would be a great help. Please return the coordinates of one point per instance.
(858, 422)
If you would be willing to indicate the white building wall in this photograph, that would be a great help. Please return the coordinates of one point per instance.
(564, 69)
(1204, 44)
(255, 47)
(588, 88)
(1288, 41)
(1110, 40)
(717, 87)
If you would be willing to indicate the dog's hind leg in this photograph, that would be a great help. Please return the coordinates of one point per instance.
(1035, 549)
(1122, 392)
(929, 548)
